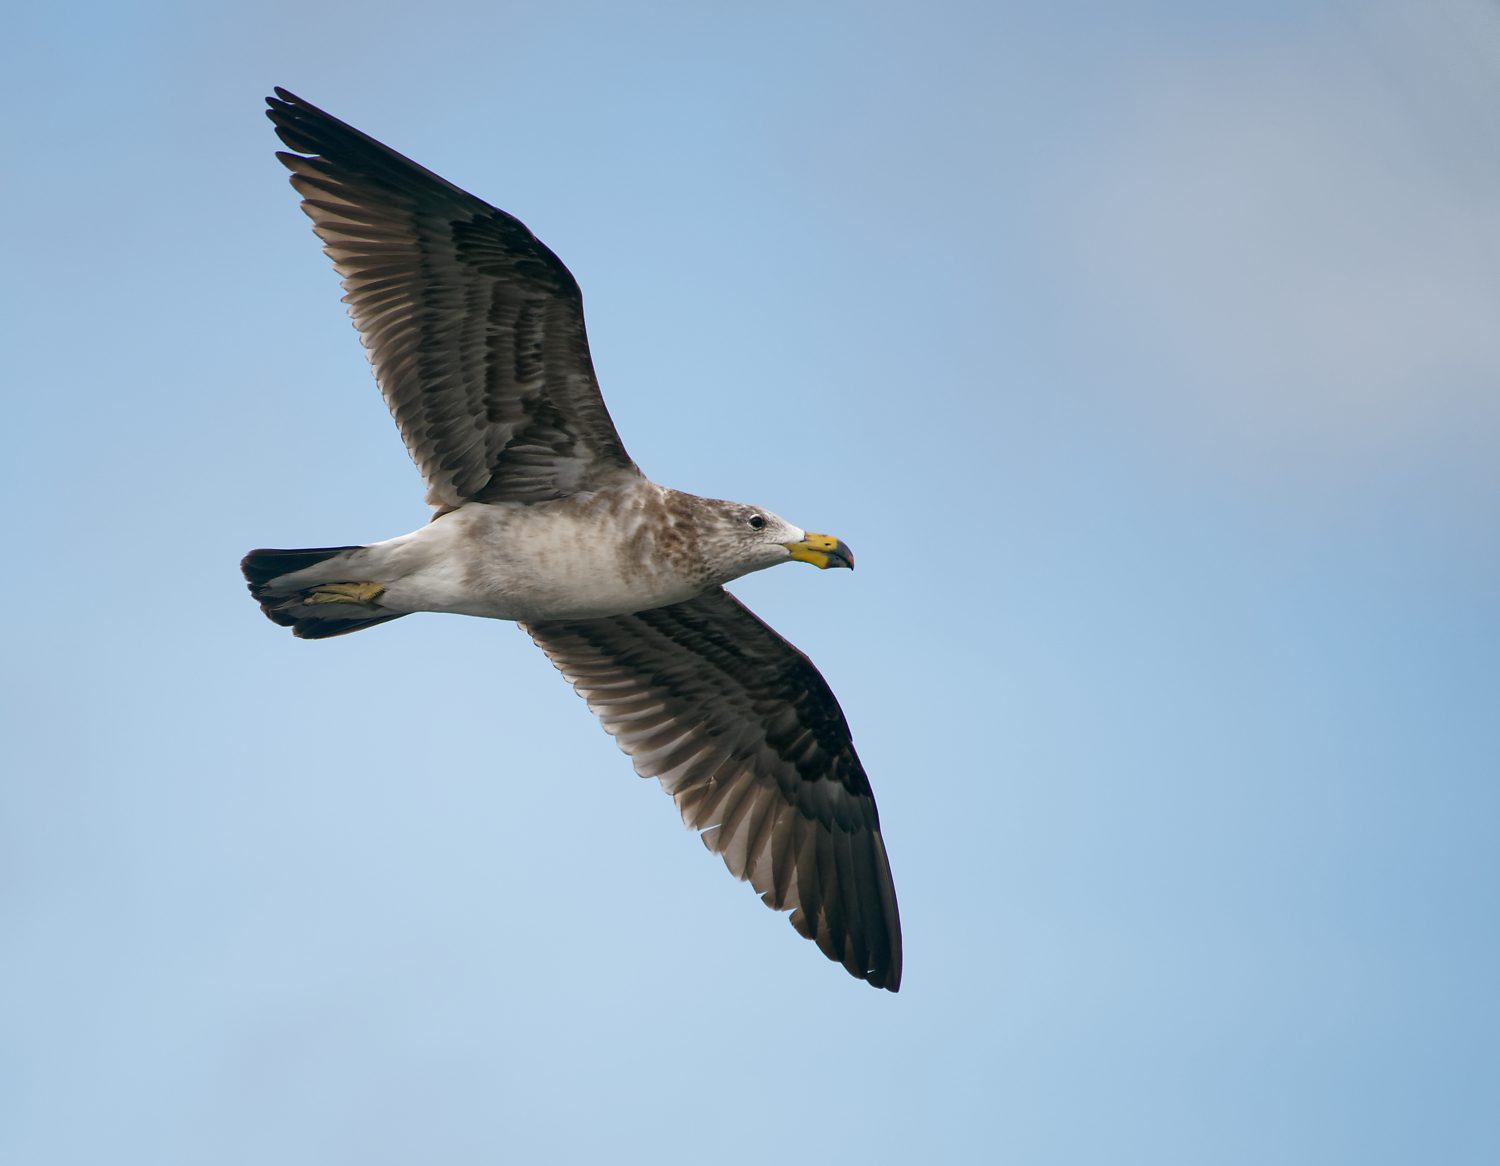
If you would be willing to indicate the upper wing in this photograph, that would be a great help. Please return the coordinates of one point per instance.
(747, 737)
(474, 328)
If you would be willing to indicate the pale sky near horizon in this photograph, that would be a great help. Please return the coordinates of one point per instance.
(1147, 357)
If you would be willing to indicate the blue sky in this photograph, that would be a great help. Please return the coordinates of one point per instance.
(1146, 357)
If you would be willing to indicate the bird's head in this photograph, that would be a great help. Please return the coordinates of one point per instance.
(744, 538)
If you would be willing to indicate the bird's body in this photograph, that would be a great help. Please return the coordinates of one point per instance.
(475, 332)
(627, 547)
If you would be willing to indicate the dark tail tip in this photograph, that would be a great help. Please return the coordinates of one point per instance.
(264, 566)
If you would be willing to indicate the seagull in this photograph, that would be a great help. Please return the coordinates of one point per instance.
(475, 333)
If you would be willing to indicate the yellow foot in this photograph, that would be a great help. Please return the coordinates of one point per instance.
(344, 593)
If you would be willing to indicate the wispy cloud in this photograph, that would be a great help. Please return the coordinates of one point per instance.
(1305, 237)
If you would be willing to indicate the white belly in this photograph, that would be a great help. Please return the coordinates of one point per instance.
(523, 562)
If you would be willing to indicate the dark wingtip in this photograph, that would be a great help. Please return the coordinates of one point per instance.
(284, 98)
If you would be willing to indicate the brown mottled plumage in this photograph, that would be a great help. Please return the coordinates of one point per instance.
(475, 332)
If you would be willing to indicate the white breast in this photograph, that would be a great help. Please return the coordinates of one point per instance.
(562, 560)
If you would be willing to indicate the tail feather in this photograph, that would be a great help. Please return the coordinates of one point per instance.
(285, 606)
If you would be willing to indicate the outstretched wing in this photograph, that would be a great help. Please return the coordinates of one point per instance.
(474, 328)
(745, 734)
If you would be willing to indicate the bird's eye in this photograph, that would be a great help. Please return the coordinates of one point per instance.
(756, 522)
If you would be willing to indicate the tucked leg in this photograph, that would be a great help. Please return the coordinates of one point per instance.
(344, 593)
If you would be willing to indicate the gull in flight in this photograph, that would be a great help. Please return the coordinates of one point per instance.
(475, 333)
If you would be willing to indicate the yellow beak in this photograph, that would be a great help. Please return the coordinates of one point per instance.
(822, 551)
